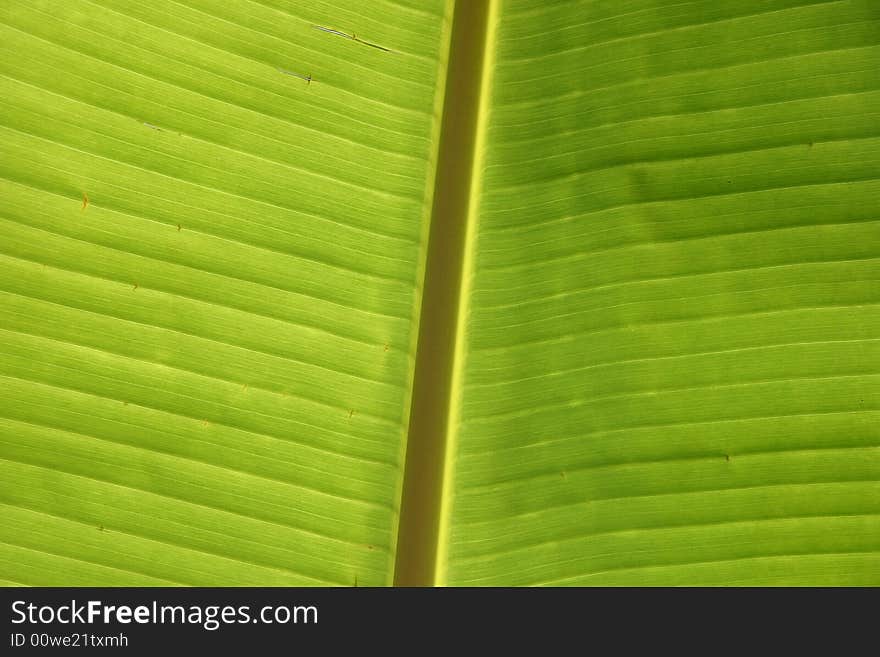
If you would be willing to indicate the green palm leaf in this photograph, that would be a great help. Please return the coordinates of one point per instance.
(214, 234)
(669, 364)
(206, 368)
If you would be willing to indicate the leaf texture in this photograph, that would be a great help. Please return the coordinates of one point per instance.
(670, 355)
(213, 224)
(212, 227)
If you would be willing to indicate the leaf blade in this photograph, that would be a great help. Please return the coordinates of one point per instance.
(206, 367)
(670, 367)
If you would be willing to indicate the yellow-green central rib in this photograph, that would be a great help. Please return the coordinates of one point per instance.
(422, 500)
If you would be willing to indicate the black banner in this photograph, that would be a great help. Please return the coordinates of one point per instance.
(547, 621)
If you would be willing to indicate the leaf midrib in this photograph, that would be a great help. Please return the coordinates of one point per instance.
(427, 476)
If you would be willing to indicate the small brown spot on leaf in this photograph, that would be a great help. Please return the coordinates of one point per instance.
(135, 286)
(350, 413)
(307, 78)
(85, 202)
(727, 457)
(178, 228)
